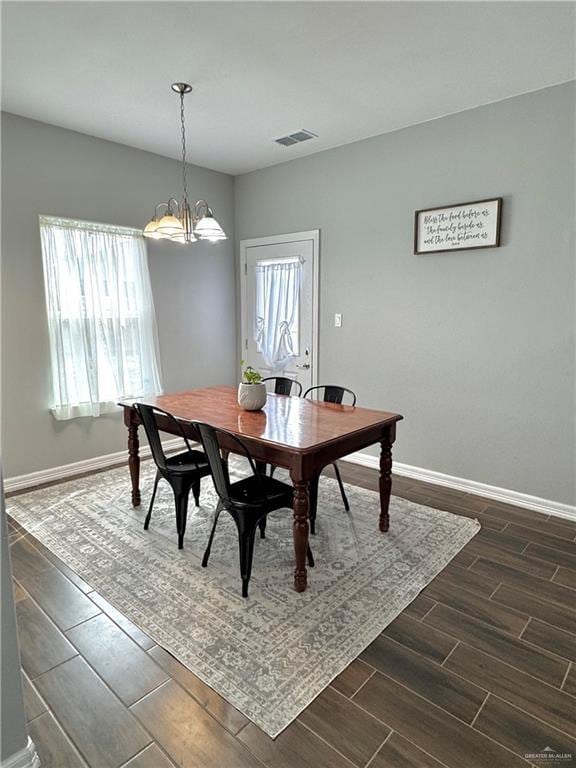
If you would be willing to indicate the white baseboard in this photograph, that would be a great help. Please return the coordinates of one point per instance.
(24, 758)
(19, 482)
(546, 506)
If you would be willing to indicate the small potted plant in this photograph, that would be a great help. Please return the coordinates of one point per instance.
(251, 390)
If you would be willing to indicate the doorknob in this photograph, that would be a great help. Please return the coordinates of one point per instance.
(304, 365)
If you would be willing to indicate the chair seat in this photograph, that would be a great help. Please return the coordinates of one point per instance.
(249, 490)
(187, 462)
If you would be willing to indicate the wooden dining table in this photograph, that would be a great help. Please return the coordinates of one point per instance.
(301, 435)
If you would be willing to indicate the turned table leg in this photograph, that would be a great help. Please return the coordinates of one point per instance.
(134, 462)
(385, 479)
(301, 508)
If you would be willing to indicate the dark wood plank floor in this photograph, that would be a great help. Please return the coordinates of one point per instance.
(478, 672)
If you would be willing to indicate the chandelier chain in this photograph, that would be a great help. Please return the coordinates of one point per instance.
(183, 124)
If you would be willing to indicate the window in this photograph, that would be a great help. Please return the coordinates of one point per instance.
(101, 320)
(277, 316)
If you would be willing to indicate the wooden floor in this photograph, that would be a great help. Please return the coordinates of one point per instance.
(478, 671)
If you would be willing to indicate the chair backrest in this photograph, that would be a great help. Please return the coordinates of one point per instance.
(331, 393)
(148, 416)
(218, 467)
(284, 386)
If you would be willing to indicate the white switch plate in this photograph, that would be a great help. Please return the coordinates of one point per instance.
(337, 320)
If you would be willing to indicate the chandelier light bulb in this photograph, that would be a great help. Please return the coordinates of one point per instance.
(209, 229)
(151, 230)
(169, 225)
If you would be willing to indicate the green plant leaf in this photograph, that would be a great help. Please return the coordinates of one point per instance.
(250, 375)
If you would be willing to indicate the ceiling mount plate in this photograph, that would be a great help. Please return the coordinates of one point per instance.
(181, 87)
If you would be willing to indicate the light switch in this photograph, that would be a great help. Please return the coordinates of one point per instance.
(337, 320)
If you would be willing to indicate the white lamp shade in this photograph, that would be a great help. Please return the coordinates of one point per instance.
(151, 230)
(169, 226)
(209, 229)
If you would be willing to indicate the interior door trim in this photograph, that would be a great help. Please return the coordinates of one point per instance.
(292, 237)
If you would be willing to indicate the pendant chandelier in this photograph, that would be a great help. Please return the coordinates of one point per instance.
(178, 221)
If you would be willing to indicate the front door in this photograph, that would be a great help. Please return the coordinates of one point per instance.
(280, 305)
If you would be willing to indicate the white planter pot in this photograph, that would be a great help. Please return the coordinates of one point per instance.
(251, 397)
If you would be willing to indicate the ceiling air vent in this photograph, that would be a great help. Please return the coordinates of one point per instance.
(296, 138)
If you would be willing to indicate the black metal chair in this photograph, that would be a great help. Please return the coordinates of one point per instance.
(248, 501)
(284, 386)
(183, 471)
(329, 393)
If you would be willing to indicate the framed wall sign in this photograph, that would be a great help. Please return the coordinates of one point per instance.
(459, 227)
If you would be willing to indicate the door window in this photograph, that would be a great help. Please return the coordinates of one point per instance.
(277, 310)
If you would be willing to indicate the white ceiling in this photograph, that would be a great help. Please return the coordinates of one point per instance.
(260, 70)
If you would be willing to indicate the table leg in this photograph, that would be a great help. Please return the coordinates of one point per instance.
(385, 481)
(301, 505)
(134, 462)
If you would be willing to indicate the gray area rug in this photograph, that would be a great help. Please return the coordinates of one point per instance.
(272, 654)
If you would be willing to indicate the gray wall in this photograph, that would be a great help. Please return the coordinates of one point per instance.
(48, 170)
(475, 348)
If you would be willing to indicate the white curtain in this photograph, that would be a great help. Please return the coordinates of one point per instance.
(277, 310)
(101, 319)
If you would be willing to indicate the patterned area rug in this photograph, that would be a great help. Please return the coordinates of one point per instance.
(272, 654)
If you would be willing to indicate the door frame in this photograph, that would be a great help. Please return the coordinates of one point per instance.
(292, 237)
